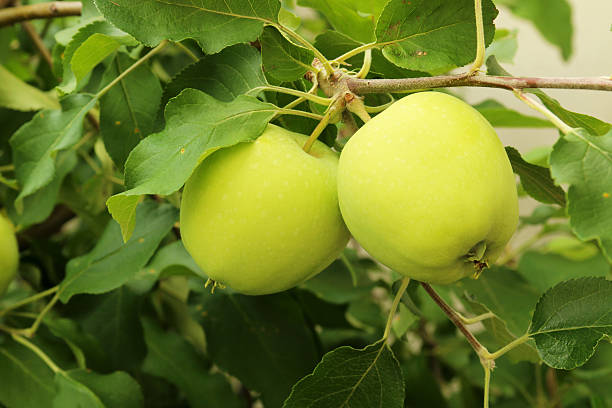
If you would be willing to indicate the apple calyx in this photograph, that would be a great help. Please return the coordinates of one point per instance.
(476, 255)
(213, 285)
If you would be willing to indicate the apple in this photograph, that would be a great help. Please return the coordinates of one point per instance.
(263, 216)
(427, 189)
(9, 253)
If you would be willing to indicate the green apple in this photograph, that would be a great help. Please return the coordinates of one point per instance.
(263, 216)
(427, 189)
(9, 253)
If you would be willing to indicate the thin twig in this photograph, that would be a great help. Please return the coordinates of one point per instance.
(38, 42)
(12, 15)
(46, 55)
(30, 299)
(34, 348)
(396, 301)
(364, 86)
(552, 386)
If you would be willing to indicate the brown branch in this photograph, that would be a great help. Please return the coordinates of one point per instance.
(44, 52)
(553, 387)
(364, 86)
(38, 42)
(5, 3)
(12, 15)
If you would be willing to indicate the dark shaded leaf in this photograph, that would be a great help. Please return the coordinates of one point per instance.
(365, 378)
(536, 180)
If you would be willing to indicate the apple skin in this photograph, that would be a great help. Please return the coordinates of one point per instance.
(263, 216)
(424, 184)
(9, 254)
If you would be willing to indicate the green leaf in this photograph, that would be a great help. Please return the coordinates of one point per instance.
(506, 294)
(570, 319)
(172, 259)
(552, 18)
(38, 206)
(214, 25)
(26, 381)
(356, 18)
(87, 48)
(542, 213)
(334, 44)
(84, 345)
(345, 280)
(283, 60)
(81, 388)
(584, 162)
(500, 116)
(128, 110)
(112, 263)
(370, 377)
(36, 144)
(504, 45)
(123, 210)
(114, 318)
(196, 125)
(433, 35)
(211, 74)
(573, 119)
(536, 180)
(422, 388)
(18, 95)
(171, 357)
(262, 340)
(544, 270)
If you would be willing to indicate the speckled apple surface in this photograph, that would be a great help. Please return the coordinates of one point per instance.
(424, 183)
(9, 254)
(263, 216)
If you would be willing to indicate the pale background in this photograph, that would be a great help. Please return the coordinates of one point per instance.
(592, 56)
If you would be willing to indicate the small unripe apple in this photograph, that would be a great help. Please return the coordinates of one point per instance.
(9, 254)
(427, 189)
(263, 216)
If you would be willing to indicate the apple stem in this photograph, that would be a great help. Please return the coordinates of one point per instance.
(396, 300)
(319, 128)
(455, 318)
(356, 105)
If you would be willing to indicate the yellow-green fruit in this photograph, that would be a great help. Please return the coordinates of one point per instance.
(9, 254)
(263, 216)
(427, 189)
